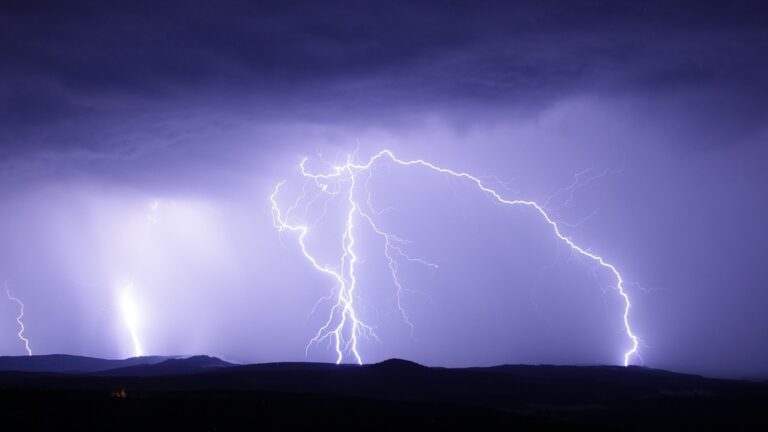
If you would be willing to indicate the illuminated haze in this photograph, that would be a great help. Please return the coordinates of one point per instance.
(139, 146)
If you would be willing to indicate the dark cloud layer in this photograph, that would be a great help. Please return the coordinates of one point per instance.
(87, 61)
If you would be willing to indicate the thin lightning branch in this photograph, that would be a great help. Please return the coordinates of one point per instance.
(580, 180)
(389, 246)
(584, 220)
(20, 334)
(348, 327)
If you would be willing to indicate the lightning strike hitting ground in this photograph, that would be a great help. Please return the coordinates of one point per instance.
(131, 317)
(343, 327)
(128, 306)
(20, 334)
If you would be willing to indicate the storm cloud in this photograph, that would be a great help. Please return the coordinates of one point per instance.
(106, 108)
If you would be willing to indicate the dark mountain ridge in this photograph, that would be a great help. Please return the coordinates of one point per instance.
(217, 394)
(172, 366)
(64, 363)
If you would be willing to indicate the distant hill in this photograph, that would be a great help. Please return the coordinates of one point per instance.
(395, 394)
(63, 363)
(173, 366)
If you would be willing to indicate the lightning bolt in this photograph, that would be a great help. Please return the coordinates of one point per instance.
(343, 327)
(128, 306)
(20, 334)
(131, 317)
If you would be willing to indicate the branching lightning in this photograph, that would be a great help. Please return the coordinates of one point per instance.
(343, 327)
(19, 318)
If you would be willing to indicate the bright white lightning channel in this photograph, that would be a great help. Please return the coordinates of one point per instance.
(343, 327)
(128, 306)
(19, 320)
(131, 317)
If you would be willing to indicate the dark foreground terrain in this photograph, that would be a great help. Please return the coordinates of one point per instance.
(205, 393)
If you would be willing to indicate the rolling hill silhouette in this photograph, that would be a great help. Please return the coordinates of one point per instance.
(172, 366)
(63, 363)
(203, 392)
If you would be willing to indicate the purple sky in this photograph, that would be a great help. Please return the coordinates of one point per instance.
(139, 144)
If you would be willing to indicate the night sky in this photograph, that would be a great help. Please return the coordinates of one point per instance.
(140, 143)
